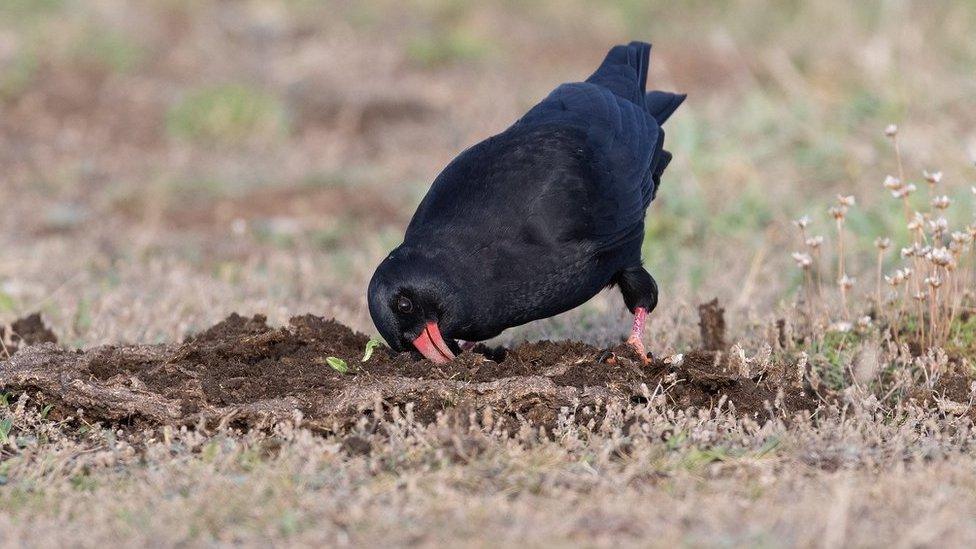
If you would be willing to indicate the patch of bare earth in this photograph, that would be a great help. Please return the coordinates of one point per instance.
(244, 373)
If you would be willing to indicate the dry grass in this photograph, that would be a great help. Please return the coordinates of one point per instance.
(165, 163)
(700, 479)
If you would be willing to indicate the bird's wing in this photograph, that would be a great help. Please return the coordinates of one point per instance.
(583, 164)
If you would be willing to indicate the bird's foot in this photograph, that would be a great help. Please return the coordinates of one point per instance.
(638, 346)
(636, 339)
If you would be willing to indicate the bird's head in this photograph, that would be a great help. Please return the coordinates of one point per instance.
(414, 305)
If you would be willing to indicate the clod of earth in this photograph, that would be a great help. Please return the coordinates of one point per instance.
(246, 374)
(29, 330)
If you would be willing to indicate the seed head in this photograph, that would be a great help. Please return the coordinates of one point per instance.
(920, 296)
(904, 191)
(846, 282)
(814, 242)
(939, 225)
(838, 212)
(802, 222)
(916, 223)
(864, 322)
(933, 282)
(933, 177)
(803, 260)
(941, 202)
(908, 252)
(895, 279)
(882, 243)
(940, 256)
(846, 200)
(892, 183)
(961, 237)
(891, 130)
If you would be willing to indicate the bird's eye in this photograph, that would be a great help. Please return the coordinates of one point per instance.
(404, 305)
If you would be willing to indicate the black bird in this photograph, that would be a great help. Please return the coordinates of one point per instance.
(536, 220)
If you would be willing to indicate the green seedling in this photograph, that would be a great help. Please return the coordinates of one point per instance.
(338, 364)
(371, 345)
(5, 428)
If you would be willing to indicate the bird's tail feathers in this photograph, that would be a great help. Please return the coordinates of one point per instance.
(615, 71)
(624, 72)
(661, 105)
(662, 164)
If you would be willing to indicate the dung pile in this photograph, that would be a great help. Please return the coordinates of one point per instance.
(247, 374)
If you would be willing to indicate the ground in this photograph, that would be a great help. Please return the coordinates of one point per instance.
(167, 164)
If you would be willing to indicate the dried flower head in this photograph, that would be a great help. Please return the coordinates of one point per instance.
(920, 296)
(933, 177)
(846, 200)
(939, 225)
(864, 322)
(917, 223)
(846, 282)
(802, 223)
(904, 191)
(961, 237)
(941, 202)
(895, 279)
(882, 243)
(838, 212)
(908, 251)
(815, 242)
(803, 260)
(940, 256)
(891, 130)
(933, 282)
(892, 183)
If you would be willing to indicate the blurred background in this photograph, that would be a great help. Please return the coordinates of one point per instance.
(164, 163)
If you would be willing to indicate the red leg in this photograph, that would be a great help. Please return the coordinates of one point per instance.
(636, 339)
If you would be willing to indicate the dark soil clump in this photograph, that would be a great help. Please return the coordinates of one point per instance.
(29, 330)
(712, 324)
(244, 373)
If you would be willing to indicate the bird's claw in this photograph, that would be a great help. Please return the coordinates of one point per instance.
(638, 346)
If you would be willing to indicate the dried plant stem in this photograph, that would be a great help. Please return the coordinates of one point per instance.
(901, 165)
(840, 248)
(840, 267)
(816, 268)
(901, 176)
(954, 300)
(899, 314)
(920, 325)
(878, 278)
(808, 282)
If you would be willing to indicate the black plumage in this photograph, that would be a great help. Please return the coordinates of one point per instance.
(536, 220)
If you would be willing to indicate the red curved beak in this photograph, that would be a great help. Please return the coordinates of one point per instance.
(431, 344)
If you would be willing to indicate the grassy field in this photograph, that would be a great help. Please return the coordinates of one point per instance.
(166, 163)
